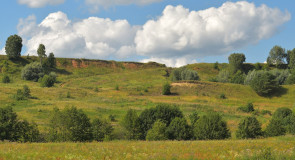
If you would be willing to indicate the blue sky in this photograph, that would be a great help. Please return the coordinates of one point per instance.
(166, 31)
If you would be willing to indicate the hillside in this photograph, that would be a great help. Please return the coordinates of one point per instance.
(90, 85)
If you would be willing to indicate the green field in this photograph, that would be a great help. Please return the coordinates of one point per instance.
(140, 87)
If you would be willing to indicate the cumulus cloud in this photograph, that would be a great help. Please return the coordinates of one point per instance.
(40, 3)
(174, 62)
(179, 32)
(88, 38)
(2, 51)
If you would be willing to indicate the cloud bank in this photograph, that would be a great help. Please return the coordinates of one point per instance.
(40, 3)
(177, 37)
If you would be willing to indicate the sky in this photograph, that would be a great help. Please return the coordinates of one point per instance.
(172, 32)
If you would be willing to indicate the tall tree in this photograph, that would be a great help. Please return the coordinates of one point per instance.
(277, 56)
(13, 46)
(41, 52)
(291, 59)
(236, 61)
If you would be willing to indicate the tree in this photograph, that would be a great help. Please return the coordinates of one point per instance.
(32, 72)
(157, 132)
(101, 130)
(69, 124)
(50, 62)
(48, 80)
(276, 56)
(166, 89)
(238, 77)
(131, 124)
(236, 61)
(291, 59)
(13, 46)
(26, 91)
(275, 128)
(194, 117)
(249, 127)
(264, 84)
(5, 79)
(179, 129)
(223, 76)
(184, 73)
(291, 78)
(211, 126)
(41, 52)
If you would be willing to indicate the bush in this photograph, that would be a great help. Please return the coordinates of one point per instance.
(249, 128)
(179, 130)
(264, 84)
(222, 96)
(5, 79)
(32, 72)
(50, 62)
(48, 80)
(19, 95)
(238, 77)
(157, 132)
(280, 75)
(166, 89)
(291, 78)
(184, 74)
(251, 75)
(236, 61)
(70, 124)
(211, 126)
(26, 91)
(13, 46)
(275, 128)
(194, 117)
(264, 112)
(248, 108)
(163, 112)
(131, 124)
(101, 130)
(223, 76)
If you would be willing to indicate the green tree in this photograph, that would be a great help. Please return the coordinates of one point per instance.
(5, 79)
(50, 62)
(211, 126)
(184, 73)
(157, 132)
(291, 58)
(264, 84)
(131, 124)
(194, 117)
(291, 78)
(249, 127)
(48, 80)
(101, 130)
(223, 76)
(236, 61)
(238, 77)
(41, 52)
(275, 128)
(179, 129)
(26, 91)
(276, 56)
(32, 72)
(70, 124)
(13, 46)
(166, 89)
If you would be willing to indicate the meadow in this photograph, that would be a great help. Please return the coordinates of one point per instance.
(107, 89)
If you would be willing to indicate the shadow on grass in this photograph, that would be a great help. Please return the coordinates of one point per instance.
(60, 71)
(278, 92)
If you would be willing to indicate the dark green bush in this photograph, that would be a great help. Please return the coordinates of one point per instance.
(131, 124)
(275, 128)
(194, 117)
(264, 84)
(249, 127)
(26, 91)
(179, 130)
(32, 72)
(48, 80)
(236, 61)
(101, 130)
(211, 126)
(157, 132)
(222, 96)
(283, 115)
(238, 77)
(5, 79)
(184, 74)
(248, 108)
(166, 89)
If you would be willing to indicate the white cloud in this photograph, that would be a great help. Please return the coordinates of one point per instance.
(2, 51)
(40, 3)
(179, 32)
(171, 62)
(89, 38)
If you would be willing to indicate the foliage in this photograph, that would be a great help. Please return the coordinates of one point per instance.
(251, 75)
(211, 126)
(26, 91)
(222, 96)
(291, 59)
(238, 77)
(157, 132)
(249, 127)
(69, 124)
(264, 84)
(179, 129)
(165, 113)
(131, 124)
(281, 75)
(216, 66)
(50, 62)
(276, 56)
(48, 80)
(41, 52)
(291, 78)
(257, 66)
(101, 130)
(166, 89)
(19, 95)
(248, 108)
(275, 128)
(13, 46)
(5, 79)
(194, 117)
(236, 61)
(184, 74)
(32, 72)
(283, 114)
(223, 76)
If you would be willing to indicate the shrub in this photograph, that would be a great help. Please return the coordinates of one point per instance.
(236, 61)
(194, 117)
(131, 124)
(264, 112)
(211, 126)
(26, 91)
(291, 78)
(264, 84)
(48, 80)
(50, 62)
(163, 112)
(238, 77)
(280, 75)
(248, 108)
(19, 95)
(223, 76)
(69, 124)
(117, 87)
(249, 128)
(184, 74)
(13, 46)
(257, 66)
(32, 71)
(5, 79)
(275, 128)
(157, 132)
(283, 114)
(251, 75)
(179, 129)
(216, 66)
(166, 89)
(101, 130)
(222, 96)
